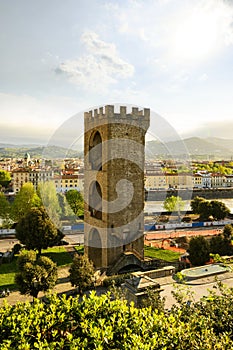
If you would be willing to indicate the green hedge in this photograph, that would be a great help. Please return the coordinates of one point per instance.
(101, 324)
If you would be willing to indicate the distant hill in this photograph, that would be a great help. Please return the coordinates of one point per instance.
(226, 143)
(193, 146)
(35, 151)
(11, 145)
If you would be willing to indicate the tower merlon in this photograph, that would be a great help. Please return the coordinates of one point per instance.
(109, 112)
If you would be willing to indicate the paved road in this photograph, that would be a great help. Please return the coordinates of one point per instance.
(7, 244)
(75, 238)
(197, 291)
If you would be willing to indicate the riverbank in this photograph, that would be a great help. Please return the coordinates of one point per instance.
(188, 194)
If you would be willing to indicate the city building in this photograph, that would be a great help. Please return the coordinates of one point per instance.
(21, 176)
(202, 180)
(66, 182)
(217, 180)
(155, 181)
(228, 180)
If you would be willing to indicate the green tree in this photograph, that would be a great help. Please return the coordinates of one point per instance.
(219, 245)
(5, 178)
(228, 232)
(25, 199)
(36, 230)
(219, 210)
(198, 251)
(195, 203)
(4, 208)
(35, 274)
(205, 210)
(75, 200)
(66, 211)
(81, 273)
(174, 203)
(47, 193)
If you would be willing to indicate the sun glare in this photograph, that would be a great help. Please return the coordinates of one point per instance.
(196, 36)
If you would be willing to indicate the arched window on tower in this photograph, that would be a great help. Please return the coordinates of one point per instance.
(95, 200)
(95, 247)
(95, 151)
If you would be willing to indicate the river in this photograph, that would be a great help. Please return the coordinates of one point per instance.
(158, 206)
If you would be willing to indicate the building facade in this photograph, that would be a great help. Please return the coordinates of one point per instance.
(64, 183)
(21, 176)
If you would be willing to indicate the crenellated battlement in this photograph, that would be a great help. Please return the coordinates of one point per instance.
(108, 112)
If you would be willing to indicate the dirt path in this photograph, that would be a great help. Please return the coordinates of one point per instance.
(63, 286)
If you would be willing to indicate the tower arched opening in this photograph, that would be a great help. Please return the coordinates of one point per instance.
(95, 200)
(95, 151)
(95, 247)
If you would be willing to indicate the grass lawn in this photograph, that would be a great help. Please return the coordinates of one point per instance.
(59, 255)
(7, 274)
(80, 249)
(157, 253)
(7, 271)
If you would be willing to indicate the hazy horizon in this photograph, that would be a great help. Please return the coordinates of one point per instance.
(32, 144)
(60, 58)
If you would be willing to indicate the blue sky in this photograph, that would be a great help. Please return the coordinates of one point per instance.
(59, 58)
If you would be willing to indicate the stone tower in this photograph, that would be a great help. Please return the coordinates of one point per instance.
(114, 183)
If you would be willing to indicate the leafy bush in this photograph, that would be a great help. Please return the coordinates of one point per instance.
(179, 277)
(99, 323)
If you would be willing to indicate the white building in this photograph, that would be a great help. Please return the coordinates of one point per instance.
(228, 180)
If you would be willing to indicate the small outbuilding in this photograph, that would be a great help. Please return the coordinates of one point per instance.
(137, 286)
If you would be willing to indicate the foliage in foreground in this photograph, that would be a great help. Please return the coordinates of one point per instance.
(99, 323)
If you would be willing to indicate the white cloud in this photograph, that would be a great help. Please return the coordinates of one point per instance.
(97, 46)
(99, 68)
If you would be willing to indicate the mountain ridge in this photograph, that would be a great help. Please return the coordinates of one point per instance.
(192, 146)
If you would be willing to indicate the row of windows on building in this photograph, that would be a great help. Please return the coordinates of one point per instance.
(152, 181)
(62, 182)
(164, 181)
